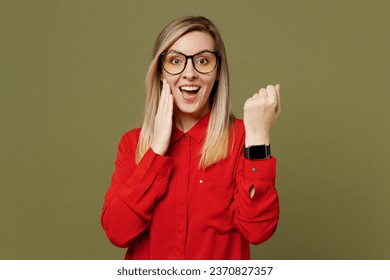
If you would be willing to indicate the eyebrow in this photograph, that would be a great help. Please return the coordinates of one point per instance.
(205, 50)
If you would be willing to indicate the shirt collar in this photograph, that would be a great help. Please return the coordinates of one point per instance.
(197, 132)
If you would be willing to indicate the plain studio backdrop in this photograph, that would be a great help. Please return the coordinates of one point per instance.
(72, 82)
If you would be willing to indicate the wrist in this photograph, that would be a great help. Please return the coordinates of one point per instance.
(257, 139)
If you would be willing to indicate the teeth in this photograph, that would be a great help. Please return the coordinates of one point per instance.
(189, 88)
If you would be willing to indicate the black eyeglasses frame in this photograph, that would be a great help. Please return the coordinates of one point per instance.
(217, 56)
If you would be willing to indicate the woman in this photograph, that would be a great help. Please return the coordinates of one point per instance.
(194, 182)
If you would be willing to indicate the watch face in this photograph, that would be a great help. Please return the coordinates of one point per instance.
(257, 152)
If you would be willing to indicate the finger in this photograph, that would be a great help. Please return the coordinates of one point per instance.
(169, 99)
(277, 87)
(163, 87)
(263, 93)
(247, 102)
(169, 102)
(166, 100)
(162, 94)
(161, 101)
(167, 87)
(271, 91)
(250, 99)
(165, 93)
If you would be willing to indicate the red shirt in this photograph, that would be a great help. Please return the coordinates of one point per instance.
(167, 208)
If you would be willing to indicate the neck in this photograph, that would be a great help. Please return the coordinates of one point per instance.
(184, 121)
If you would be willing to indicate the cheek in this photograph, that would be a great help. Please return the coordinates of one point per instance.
(164, 76)
(211, 79)
(172, 81)
(210, 84)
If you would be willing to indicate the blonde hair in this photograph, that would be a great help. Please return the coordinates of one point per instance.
(216, 145)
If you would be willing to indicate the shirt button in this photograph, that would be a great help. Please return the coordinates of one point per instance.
(200, 181)
(254, 169)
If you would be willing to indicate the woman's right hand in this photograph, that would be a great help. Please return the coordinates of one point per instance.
(163, 121)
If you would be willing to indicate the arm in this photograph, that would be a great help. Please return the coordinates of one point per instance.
(133, 192)
(256, 204)
(135, 189)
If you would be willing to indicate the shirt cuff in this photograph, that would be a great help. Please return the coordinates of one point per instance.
(156, 163)
(260, 169)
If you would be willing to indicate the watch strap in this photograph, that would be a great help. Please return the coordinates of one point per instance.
(257, 152)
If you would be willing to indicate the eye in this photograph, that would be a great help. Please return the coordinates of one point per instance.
(176, 61)
(202, 61)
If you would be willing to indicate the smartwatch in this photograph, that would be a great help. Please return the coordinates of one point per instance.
(257, 152)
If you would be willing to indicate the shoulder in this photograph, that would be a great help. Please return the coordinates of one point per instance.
(130, 138)
(131, 134)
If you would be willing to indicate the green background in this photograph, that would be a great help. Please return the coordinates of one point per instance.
(72, 82)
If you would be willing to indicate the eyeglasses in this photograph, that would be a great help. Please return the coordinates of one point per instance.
(175, 62)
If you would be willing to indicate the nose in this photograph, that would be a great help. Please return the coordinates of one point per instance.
(189, 72)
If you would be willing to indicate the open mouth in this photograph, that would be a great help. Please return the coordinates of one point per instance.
(189, 89)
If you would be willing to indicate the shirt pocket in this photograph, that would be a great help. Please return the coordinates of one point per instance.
(214, 197)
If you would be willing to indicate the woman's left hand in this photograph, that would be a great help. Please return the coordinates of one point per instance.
(260, 113)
